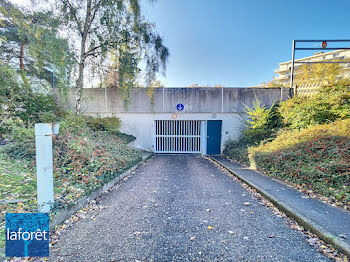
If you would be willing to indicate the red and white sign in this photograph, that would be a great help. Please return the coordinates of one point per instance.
(174, 116)
(324, 44)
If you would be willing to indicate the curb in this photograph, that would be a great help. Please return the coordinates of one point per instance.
(320, 231)
(64, 214)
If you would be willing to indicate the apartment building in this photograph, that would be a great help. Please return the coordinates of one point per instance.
(284, 70)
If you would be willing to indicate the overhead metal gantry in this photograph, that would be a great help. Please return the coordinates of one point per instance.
(324, 44)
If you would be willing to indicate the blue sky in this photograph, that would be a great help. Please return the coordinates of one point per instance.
(240, 43)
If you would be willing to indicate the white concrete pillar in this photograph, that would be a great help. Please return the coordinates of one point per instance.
(44, 165)
(204, 137)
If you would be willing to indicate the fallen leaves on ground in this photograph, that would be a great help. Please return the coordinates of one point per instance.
(311, 238)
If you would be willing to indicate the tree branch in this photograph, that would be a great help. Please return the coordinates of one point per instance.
(94, 54)
(71, 7)
(95, 8)
(93, 49)
(109, 43)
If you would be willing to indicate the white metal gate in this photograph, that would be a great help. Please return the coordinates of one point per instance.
(178, 136)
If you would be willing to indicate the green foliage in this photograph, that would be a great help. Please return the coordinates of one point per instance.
(74, 122)
(315, 158)
(104, 123)
(329, 105)
(84, 159)
(318, 73)
(123, 40)
(17, 181)
(150, 90)
(10, 97)
(20, 102)
(125, 138)
(35, 107)
(258, 115)
(47, 117)
(261, 124)
(22, 143)
(237, 150)
(31, 41)
(30, 45)
(8, 124)
(88, 159)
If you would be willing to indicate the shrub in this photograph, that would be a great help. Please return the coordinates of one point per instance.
(258, 115)
(315, 158)
(47, 117)
(35, 106)
(18, 100)
(84, 160)
(8, 124)
(262, 122)
(104, 123)
(74, 123)
(125, 138)
(261, 126)
(22, 143)
(88, 160)
(329, 105)
(10, 96)
(237, 150)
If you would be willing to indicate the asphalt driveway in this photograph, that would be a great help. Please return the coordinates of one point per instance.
(182, 208)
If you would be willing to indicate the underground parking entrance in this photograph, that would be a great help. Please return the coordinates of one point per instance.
(179, 120)
(188, 136)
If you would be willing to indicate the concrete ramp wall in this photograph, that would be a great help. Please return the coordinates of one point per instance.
(195, 100)
(203, 104)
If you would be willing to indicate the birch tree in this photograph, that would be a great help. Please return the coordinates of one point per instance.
(102, 27)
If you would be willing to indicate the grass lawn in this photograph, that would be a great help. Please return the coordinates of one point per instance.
(18, 186)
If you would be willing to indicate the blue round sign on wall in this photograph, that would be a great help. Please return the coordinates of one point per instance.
(180, 107)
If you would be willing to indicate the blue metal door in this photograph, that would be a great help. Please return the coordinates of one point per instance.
(214, 137)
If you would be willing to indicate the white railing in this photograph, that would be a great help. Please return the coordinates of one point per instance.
(307, 90)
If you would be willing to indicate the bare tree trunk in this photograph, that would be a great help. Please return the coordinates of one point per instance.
(80, 81)
(21, 64)
(80, 86)
(21, 57)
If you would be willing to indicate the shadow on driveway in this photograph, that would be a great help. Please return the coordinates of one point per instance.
(179, 208)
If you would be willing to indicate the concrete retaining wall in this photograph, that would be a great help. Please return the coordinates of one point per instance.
(204, 104)
(196, 100)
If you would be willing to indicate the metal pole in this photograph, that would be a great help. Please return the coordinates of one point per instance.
(105, 100)
(44, 165)
(222, 99)
(292, 72)
(281, 93)
(163, 99)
